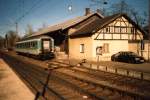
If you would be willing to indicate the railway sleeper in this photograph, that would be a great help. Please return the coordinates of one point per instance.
(122, 92)
(67, 92)
(77, 88)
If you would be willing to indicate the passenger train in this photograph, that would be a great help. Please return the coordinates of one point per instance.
(41, 47)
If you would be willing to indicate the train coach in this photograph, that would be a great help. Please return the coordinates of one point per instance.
(40, 47)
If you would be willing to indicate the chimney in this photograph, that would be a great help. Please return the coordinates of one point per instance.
(87, 11)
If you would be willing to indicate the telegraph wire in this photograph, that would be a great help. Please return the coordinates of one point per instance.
(25, 13)
(29, 11)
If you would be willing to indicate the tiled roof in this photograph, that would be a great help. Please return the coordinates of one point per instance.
(65, 25)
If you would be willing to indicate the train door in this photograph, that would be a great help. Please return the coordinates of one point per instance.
(46, 45)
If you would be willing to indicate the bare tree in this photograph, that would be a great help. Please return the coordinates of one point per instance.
(120, 7)
(123, 7)
(139, 20)
(29, 30)
(2, 42)
(11, 39)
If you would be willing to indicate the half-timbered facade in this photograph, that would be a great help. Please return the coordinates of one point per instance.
(111, 34)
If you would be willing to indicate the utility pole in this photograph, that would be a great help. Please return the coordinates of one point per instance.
(16, 28)
(6, 41)
(149, 34)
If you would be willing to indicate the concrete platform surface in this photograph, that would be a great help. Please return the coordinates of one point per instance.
(11, 87)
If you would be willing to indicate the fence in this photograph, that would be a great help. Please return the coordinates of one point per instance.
(120, 71)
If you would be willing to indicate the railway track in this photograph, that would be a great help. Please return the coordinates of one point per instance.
(135, 88)
(30, 77)
(69, 86)
(36, 78)
(128, 83)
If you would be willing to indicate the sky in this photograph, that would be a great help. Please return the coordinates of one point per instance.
(49, 12)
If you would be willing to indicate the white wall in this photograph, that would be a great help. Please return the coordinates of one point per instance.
(114, 47)
(74, 48)
(146, 51)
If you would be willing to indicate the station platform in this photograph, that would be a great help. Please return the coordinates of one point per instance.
(11, 87)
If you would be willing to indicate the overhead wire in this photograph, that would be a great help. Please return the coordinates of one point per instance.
(24, 13)
(28, 12)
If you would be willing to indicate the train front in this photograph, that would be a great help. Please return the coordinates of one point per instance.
(47, 48)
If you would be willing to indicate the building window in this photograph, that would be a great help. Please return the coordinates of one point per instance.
(142, 45)
(106, 48)
(132, 30)
(81, 48)
(123, 30)
(117, 29)
(107, 30)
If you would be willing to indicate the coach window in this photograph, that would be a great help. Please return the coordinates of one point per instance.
(35, 43)
(26, 45)
(81, 48)
(31, 44)
(22, 46)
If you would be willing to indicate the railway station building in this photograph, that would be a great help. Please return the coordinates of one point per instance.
(92, 35)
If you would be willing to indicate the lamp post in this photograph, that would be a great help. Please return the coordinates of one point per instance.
(149, 35)
(6, 41)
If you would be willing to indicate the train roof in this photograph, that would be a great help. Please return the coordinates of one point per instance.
(35, 39)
